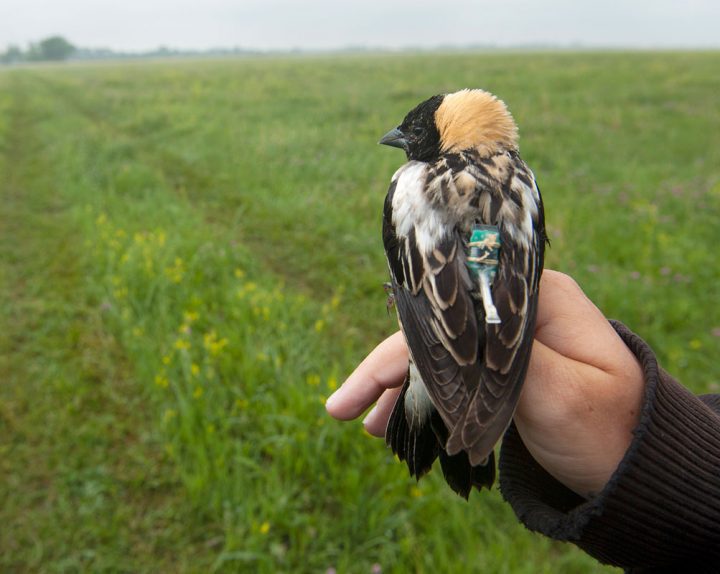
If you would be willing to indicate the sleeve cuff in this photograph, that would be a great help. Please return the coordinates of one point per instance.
(662, 504)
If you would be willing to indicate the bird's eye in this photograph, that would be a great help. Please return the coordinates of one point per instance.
(418, 131)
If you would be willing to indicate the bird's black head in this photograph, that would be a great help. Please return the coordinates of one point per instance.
(417, 134)
(451, 123)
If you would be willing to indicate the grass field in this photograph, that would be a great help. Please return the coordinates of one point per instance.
(190, 263)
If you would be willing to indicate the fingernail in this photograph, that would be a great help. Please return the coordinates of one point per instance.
(369, 416)
(330, 400)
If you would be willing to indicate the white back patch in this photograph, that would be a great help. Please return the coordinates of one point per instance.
(412, 209)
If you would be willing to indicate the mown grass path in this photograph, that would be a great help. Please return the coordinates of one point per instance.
(82, 481)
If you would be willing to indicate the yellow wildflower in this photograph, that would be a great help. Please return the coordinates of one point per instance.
(194, 369)
(332, 383)
(214, 345)
(265, 528)
(182, 344)
(191, 316)
(198, 392)
(319, 325)
(312, 380)
(176, 272)
(161, 381)
(166, 360)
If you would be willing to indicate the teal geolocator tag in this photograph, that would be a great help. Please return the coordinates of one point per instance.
(482, 260)
(484, 250)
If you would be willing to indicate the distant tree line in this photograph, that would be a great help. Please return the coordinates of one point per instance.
(53, 49)
(57, 48)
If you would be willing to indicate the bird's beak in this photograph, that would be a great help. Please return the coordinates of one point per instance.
(394, 138)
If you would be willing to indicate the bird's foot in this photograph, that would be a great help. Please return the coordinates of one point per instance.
(390, 302)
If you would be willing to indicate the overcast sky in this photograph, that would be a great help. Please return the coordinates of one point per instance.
(137, 25)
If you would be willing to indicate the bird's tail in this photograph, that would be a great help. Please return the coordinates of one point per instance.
(420, 445)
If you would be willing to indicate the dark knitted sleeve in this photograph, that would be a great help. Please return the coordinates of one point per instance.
(660, 511)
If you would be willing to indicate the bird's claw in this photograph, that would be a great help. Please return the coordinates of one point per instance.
(390, 302)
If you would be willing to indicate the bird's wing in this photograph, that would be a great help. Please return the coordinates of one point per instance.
(473, 371)
(507, 345)
(432, 295)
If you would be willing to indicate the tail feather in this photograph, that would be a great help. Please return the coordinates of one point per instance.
(420, 447)
(417, 447)
(461, 476)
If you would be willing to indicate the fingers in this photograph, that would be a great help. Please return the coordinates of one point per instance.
(384, 368)
(376, 420)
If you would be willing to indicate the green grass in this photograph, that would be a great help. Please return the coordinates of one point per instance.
(190, 262)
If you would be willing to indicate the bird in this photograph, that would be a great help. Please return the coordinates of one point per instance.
(464, 236)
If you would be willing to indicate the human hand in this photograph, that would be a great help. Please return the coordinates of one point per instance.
(580, 401)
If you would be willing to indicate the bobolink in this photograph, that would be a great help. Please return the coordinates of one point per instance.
(464, 235)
